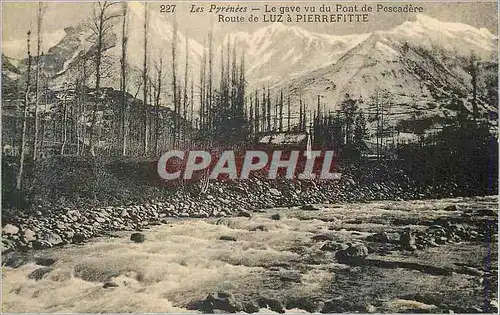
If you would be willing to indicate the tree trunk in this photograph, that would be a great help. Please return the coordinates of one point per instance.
(145, 78)
(65, 123)
(124, 80)
(37, 80)
(174, 85)
(25, 117)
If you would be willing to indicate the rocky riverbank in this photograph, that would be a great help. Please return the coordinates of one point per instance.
(70, 200)
(44, 227)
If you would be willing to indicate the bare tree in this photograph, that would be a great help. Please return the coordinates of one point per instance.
(257, 115)
(264, 107)
(123, 79)
(268, 109)
(473, 71)
(174, 83)
(64, 119)
(25, 117)
(145, 78)
(210, 77)
(100, 25)
(251, 115)
(37, 79)
(159, 78)
(202, 88)
(302, 124)
(184, 101)
(281, 112)
(191, 102)
(289, 113)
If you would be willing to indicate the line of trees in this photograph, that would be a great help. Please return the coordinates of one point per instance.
(84, 118)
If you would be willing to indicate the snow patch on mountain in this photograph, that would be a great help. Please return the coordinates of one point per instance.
(279, 50)
(456, 38)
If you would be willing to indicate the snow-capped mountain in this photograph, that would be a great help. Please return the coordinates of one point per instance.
(280, 51)
(454, 38)
(63, 62)
(420, 62)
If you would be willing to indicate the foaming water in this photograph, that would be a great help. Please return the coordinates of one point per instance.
(183, 261)
(178, 263)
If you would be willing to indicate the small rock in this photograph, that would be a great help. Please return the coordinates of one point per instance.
(290, 276)
(222, 221)
(38, 274)
(386, 237)
(44, 261)
(110, 284)
(272, 304)
(432, 244)
(352, 253)
(408, 239)
(260, 228)
(223, 301)
(308, 304)
(323, 237)
(309, 207)
(137, 237)
(227, 238)
(10, 229)
(471, 271)
(442, 240)
(485, 213)
(29, 235)
(251, 307)
(244, 213)
(78, 238)
(15, 259)
(274, 191)
(41, 244)
(342, 306)
(452, 208)
(276, 216)
(371, 309)
(331, 246)
(52, 239)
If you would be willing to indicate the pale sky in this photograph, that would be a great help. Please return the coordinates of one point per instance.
(18, 17)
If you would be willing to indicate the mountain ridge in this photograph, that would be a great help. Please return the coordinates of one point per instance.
(298, 61)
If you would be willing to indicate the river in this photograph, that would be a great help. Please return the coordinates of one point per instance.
(182, 262)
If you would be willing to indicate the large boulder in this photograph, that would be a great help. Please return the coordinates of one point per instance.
(29, 235)
(332, 246)
(408, 240)
(271, 303)
(137, 237)
(10, 229)
(39, 273)
(223, 301)
(15, 259)
(386, 237)
(47, 240)
(353, 253)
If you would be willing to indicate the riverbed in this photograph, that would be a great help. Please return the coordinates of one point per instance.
(271, 256)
